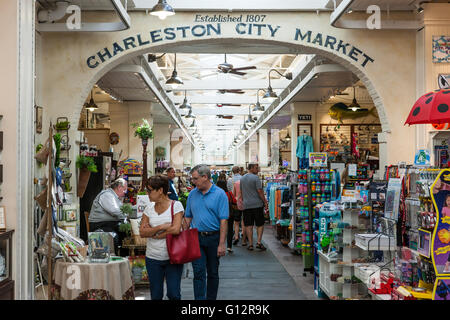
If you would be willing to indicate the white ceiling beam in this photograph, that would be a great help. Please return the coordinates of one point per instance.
(218, 99)
(217, 110)
(232, 85)
(239, 5)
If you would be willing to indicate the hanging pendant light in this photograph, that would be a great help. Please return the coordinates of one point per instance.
(270, 94)
(185, 104)
(174, 81)
(162, 10)
(192, 126)
(190, 115)
(258, 107)
(354, 105)
(250, 121)
(288, 137)
(91, 106)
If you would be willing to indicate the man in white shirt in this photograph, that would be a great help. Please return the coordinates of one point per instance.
(105, 211)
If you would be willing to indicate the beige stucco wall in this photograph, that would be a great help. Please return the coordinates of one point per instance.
(8, 108)
(9, 122)
(390, 78)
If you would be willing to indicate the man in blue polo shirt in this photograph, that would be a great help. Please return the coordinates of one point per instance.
(207, 210)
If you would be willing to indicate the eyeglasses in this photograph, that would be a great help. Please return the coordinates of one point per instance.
(195, 179)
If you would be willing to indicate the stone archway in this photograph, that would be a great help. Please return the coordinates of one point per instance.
(88, 57)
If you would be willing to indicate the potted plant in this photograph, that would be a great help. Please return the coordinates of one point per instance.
(144, 132)
(136, 270)
(126, 209)
(86, 166)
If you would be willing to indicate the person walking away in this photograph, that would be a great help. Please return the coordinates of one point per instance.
(105, 212)
(156, 224)
(173, 195)
(235, 177)
(207, 210)
(231, 201)
(254, 204)
(237, 214)
(222, 177)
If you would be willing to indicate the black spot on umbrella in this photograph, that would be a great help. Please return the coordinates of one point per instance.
(429, 100)
(416, 111)
(446, 92)
(429, 94)
(442, 108)
(437, 90)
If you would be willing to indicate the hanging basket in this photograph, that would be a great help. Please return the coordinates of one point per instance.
(83, 180)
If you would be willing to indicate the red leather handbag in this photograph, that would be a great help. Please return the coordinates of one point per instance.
(184, 247)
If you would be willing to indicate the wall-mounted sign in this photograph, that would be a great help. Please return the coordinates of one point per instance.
(422, 158)
(304, 117)
(217, 26)
(441, 49)
(318, 159)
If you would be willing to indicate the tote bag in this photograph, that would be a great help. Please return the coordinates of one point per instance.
(184, 247)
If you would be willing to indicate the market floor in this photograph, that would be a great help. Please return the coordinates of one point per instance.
(274, 274)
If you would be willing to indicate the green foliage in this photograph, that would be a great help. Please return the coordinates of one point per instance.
(143, 131)
(125, 228)
(63, 125)
(57, 139)
(86, 162)
(126, 209)
(39, 147)
(183, 198)
(138, 263)
(142, 193)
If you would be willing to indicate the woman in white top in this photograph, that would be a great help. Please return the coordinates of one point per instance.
(155, 225)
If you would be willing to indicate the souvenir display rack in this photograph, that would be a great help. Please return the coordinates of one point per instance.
(314, 186)
(336, 139)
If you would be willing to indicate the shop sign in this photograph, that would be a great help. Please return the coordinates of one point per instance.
(441, 49)
(422, 158)
(440, 247)
(214, 26)
(318, 159)
(304, 117)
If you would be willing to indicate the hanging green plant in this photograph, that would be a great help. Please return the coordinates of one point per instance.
(86, 162)
(57, 139)
(63, 125)
(142, 193)
(143, 131)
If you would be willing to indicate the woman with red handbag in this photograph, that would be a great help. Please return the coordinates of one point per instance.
(156, 224)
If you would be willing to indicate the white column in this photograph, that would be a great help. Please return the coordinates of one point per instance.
(263, 148)
(275, 149)
(253, 149)
(247, 153)
(187, 156)
(241, 156)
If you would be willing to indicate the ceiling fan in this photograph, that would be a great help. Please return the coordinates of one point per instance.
(221, 116)
(238, 91)
(228, 68)
(220, 105)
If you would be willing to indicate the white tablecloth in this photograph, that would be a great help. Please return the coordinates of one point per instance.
(113, 277)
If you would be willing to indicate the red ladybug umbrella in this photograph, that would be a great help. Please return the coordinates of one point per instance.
(433, 107)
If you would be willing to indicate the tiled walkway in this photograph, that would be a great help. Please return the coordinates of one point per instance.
(274, 274)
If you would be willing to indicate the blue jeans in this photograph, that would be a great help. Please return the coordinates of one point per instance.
(206, 286)
(158, 270)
